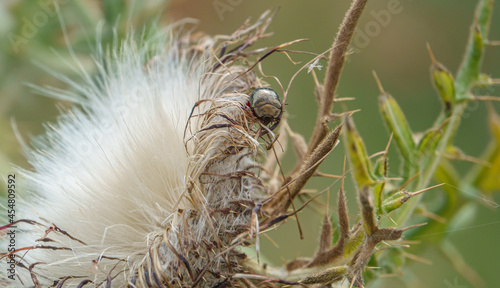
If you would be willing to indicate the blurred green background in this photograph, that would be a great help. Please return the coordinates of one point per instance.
(395, 48)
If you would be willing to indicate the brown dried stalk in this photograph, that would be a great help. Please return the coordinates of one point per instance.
(320, 144)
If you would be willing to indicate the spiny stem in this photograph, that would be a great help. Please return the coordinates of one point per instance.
(337, 59)
(468, 72)
(338, 54)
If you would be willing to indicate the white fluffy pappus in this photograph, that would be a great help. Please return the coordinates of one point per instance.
(147, 180)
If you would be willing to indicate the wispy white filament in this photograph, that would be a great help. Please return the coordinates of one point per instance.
(122, 169)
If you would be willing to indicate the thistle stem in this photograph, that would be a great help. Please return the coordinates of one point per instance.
(467, 74)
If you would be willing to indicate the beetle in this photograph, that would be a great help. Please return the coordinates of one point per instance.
(266, 106)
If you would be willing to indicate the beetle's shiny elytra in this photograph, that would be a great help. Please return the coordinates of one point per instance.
(266, 105)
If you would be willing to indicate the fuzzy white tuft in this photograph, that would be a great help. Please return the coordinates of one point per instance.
(135, 182)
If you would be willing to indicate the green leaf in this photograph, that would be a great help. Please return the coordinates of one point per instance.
(354, 242)
(487, 178)
(381, 170)
(361, 165)
(469, 70)
(443, 82)
(428, 143)
(398, 125)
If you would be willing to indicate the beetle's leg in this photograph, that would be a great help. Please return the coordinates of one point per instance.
(266, 130)
(275, 124)
(278, 119)
(273, 140)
